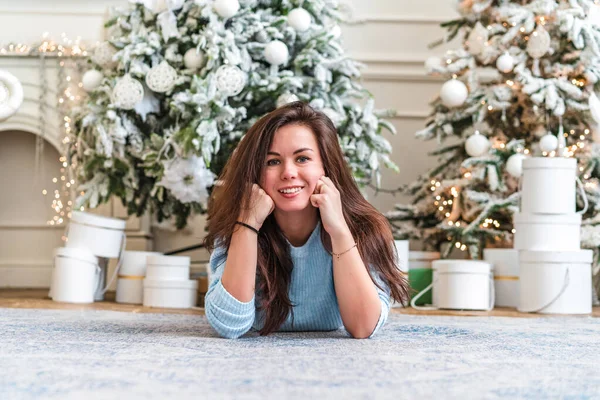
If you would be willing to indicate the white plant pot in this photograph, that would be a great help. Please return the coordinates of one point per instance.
(170, 294)
(506, 275)
(75, 276)
(547, 231)
(102, 236)
(130, 288)
(463, 285)
(168, 268)
(556, 282)
(548, 185)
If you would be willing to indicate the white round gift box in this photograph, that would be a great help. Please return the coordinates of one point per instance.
(168, 268)
(463, 285)
(130, 287)
(547, 231)
(548, 185)
(170, 293)
(75, 275)
(556, 282)
(102, 236)
(506, 275)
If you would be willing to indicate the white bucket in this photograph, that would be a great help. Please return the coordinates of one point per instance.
(168, 268)
(547, 231)
(402, 247)
(130, 288)
(102, 236)
(460, 285)
(170, 294)
(556, 282)
(548, 186)
(75, 276)
(506, 275)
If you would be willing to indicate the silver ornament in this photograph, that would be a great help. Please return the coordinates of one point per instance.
(539, 42)
(548, 143)
(477, 38)
(103, 55)
(286, 98)
(161, 78)
(127, 93)
(453, 93)
(477, 145)
(230, 80)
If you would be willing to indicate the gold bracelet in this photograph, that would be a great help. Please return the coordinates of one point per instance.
(342, 253)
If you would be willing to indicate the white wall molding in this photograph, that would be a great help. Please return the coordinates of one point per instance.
(397, 19)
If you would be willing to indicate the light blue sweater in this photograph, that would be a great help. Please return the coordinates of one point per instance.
(311, 292)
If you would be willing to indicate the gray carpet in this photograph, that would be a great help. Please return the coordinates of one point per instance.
(50, 354)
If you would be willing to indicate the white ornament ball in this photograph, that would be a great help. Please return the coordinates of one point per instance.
(276, 53)
(127, 92)
(299, 19)
(336, 31)
(514, 165)
(505, 63)
(477, 145)
(91, 80)
(194, 60)
(286, 98)
(103, 55)
(548, 143)
(230, 80)
(161, 78)
(227, 8)
(453, 93)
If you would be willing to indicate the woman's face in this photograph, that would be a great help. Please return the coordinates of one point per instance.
(292, 168)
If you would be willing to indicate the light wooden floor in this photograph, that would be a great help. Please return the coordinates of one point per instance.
(36, 298)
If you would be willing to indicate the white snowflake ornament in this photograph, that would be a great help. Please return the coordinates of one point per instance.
(161, 78)
(230, 80)
(103, 55)
(127, 93)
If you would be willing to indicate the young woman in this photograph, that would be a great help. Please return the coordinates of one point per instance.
(296, 246)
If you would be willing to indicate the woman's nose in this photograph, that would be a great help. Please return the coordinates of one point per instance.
(289, 171)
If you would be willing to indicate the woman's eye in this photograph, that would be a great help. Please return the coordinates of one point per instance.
(303, 159)
(272, 162)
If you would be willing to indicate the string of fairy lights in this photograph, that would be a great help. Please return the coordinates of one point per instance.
(67, 52)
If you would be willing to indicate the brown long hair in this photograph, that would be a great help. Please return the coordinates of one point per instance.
(369, 227)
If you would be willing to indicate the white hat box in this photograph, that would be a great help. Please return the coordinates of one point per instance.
(547, 231)
(556, 282)
(130, 287)
(506, 275)
(75, 276)
(162, 267)
(170, 293)
(102, 236)
(463, 284)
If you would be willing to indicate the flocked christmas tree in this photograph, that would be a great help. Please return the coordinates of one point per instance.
(521, 84)
(180, 82)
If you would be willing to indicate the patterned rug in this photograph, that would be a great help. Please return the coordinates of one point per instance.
(62, 354)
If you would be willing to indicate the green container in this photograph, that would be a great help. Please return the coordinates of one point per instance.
(419, 279)
(420, 274)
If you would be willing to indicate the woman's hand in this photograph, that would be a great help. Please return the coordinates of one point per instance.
(327, 200)
(261, 205)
